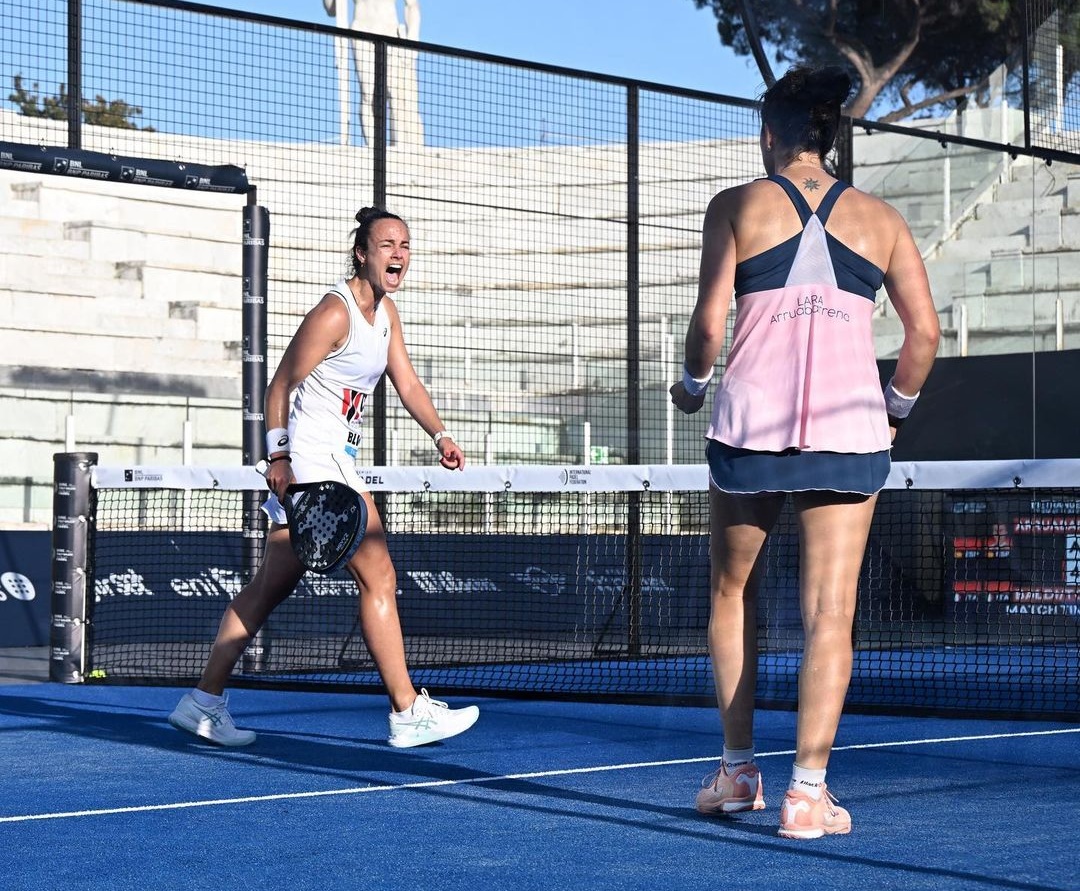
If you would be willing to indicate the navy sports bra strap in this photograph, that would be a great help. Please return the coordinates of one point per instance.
(795, 195)
(826, 206)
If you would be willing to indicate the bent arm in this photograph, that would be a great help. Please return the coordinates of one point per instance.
(707, 330)
(909, 291)
(323, 330)
(716, 280)
(414, 395)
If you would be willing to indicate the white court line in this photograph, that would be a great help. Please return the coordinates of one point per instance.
(477, 781)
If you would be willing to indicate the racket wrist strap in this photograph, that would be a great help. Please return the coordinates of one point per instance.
(278, 440)
(285, 457)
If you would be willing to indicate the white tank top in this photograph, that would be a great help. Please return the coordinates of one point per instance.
(328, 407)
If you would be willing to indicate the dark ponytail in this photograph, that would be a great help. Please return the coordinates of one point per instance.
(802, 109)
(365, 216)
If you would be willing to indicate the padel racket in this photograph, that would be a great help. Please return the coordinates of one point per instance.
(327, 521)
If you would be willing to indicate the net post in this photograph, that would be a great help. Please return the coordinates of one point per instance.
(256, 221)
(256, 227)
(72, 565)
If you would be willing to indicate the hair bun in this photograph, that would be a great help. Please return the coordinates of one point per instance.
(364, 212)
(831, 84)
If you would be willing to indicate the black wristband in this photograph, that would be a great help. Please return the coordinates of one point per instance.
(280, 458)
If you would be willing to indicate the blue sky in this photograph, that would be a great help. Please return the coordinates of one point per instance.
(669, 42)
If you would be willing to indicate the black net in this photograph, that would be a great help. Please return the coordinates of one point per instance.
(555, 216)
(968, 598)
(1052, 74)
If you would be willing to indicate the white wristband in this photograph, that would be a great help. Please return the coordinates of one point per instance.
(440, 436)
(695, 386)
(277, 440)
(897, 405)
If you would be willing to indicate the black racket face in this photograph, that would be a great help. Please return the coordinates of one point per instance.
(327, 522)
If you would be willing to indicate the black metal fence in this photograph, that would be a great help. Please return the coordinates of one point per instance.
(555, 214)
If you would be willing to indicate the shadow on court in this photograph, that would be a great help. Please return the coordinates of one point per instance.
(538, 795)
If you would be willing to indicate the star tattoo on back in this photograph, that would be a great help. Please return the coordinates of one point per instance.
(811, 185)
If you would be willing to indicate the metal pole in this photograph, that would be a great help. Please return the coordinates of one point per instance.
(1025, 80)
(72, 565)
(633, 367)
(845, 150)
(256, 250)
(377, 141)
(341, 60)
(74, 67)
(753, 37)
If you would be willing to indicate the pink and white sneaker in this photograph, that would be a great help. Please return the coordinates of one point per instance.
(731, 793)
(803, 817)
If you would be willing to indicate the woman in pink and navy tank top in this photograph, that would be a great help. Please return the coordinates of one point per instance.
(798, 413)
(314, 410)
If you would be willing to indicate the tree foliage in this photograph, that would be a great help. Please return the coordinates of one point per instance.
(100, 112)
(942, 50)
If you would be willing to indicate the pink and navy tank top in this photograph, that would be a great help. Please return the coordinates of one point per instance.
(801, 372)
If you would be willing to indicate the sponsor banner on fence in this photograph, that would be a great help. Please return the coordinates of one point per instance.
(1017, 560)
(446, 585)
(25, 588)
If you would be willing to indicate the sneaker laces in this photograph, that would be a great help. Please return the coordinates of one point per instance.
(710, 780)
(218, 713)
(424, 704)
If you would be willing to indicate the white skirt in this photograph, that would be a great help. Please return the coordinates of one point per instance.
(315, 469)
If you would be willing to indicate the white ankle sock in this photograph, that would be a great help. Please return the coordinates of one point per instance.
(738, 757)
(206, 700)
(808, 781)
(406, 711)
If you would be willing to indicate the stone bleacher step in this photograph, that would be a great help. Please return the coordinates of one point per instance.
(155, 211)
(119, 353)
(166, 283)
(114, 244)
(30, 311)
(65, 275)
(210, 321)
(981, 249)
(1021, 273)
(995, 340)
(1011, 310)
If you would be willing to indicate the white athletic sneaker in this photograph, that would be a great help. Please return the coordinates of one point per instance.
(428, 721)
(214, 724)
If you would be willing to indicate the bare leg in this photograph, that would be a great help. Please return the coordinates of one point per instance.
(274, 581)
(739, 527)
(376, 578)
(833, 529)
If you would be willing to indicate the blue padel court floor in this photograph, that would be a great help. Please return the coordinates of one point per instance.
(99, 792)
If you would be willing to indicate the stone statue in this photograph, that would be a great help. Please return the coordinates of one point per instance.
(381, 17)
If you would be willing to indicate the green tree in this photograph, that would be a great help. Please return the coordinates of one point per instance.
(942, 50)
(101, 112)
